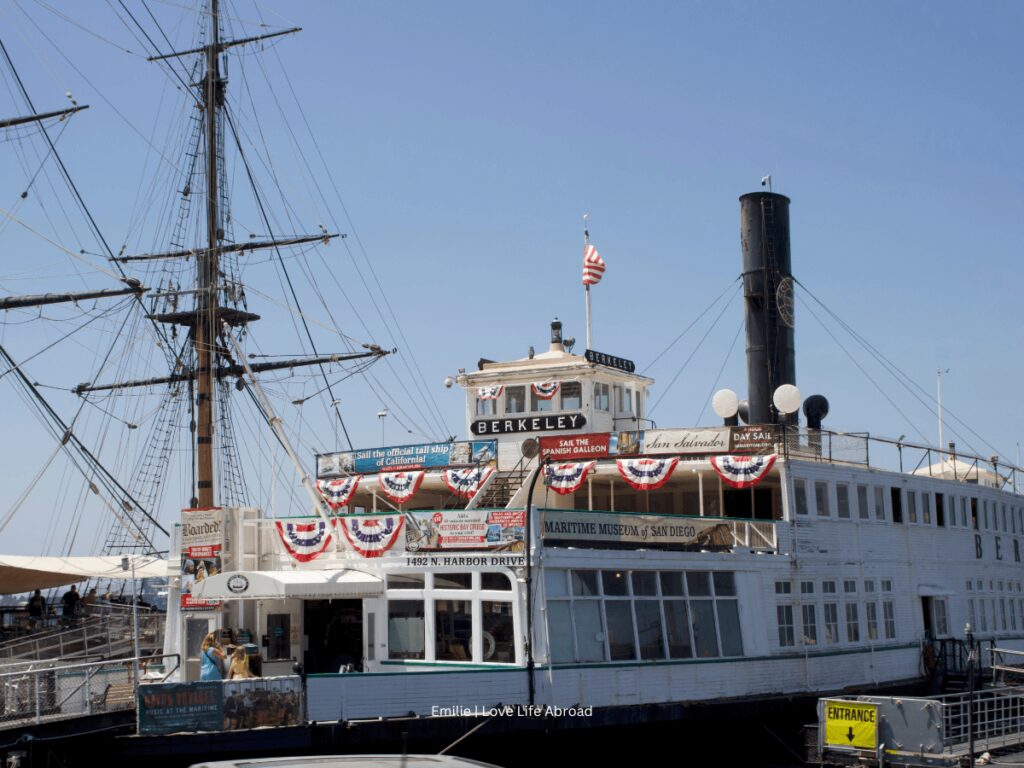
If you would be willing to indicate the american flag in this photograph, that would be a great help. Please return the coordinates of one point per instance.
(593, 266)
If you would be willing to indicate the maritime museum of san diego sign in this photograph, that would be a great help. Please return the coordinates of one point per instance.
(551, 422)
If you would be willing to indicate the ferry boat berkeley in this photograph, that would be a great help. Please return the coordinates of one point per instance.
(572, 555)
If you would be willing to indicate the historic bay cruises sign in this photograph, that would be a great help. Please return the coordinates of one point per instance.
(552, 422)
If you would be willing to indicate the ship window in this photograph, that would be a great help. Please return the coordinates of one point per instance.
(405, 629)
(725, 584)
(869, 585)
(821, 498)
(783, 588)
(560, 631)
(515, 399)
(828, 587)
(405, 581)
(729, 627)
(1004, 518)
(572, 397)
(617, 397)
(871, 616)
(539, 404)
(677, 625)
(862, 502)
(926, 508)
(912, 506)
(671, 583)
(982, 616)
(645, 583)
(453, 630)
(810, 625)
(625, 401)
(941, 611)
(879, 503)
(702, 616)
(784, 614)
(453, 581)
(499, 582)
(896, 497)
(984, 506)
(584, 583)
(831, 622)
(940, 510)
(887, 585)
(648, 629)
(963, 511)
(800, 496)
(852, 623)
(806, 587)
(554, 583)
(843, 500)
(589, 634)
(698, 584)
(850, 586)
(974, 513)
(498, 638)
(614, 583)
(1002, 611)
(601, 397)
(620, 630)
(486, 407)
(970, 612)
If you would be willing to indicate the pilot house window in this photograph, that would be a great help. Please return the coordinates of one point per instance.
(572, 396)
(602, 399)
(515, 399)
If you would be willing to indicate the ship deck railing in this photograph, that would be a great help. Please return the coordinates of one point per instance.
(53, 692)
(108, 635)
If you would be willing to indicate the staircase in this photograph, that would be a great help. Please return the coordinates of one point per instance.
(105, 637)
(503, 488)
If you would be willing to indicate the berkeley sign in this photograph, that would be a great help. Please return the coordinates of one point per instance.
(550, 423)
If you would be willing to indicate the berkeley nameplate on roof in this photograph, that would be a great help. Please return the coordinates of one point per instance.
(611, 361)
(550, 423)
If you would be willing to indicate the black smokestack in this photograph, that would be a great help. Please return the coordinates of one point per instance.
(768, 297)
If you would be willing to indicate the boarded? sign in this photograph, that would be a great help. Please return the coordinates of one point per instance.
(851, 724)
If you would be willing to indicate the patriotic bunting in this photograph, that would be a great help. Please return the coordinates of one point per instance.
(490, 393)
(545, 390)
(304, 541)
(337, 493)
(646, 474)
(372, 536)
(593, 266)
(466, 482)
(742, 471)
(566, 478)
(400, 486)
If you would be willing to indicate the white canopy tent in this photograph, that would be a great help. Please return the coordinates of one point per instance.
(276, 585)
(24, 573)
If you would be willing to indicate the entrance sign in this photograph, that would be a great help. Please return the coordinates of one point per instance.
(851, 724)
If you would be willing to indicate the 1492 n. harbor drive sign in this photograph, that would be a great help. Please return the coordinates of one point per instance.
(549, 423)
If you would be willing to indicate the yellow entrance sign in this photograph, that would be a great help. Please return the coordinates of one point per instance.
(851, 724)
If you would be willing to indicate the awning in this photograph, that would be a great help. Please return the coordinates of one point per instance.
(24, 573)
(275, 585)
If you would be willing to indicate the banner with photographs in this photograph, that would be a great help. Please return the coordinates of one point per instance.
(202, 545)
(176, 707)
(259, 702)
(402, 457)
(611, 528)
(497, 530)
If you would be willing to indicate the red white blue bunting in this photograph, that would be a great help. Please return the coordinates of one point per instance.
(490, 393)
(567, 478)
(337, 493)
(400, 486)
(646, 474)
(545, 390)
(304, 541)
(466, 482)
(742, 471)
(372, 536)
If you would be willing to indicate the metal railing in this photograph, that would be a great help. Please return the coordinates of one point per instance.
(998, 719)
(75, 690)
(108, 636)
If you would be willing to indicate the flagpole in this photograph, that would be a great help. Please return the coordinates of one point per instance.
(586, 242)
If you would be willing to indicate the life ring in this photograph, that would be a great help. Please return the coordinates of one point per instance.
(489, 645)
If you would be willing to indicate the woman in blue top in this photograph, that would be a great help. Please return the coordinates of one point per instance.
(211, 655)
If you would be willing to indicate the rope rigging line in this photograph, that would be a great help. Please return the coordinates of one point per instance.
(725, 361)
(693, 323)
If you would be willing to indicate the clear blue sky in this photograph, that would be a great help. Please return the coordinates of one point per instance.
(467, 139)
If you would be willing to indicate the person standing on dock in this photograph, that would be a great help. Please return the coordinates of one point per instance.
(70, 602)
(212, 655)
(36, 610)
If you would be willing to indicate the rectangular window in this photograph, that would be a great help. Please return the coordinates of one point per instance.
(1002, 612)
(889, 615)
(982, 615)
(862, 502)
(614, 583)
(843, 500)
(589, 632)
(926, 508)
(279, 636)
(963, 511)
(974, 513)
(619, 614)
(784, 613)
(912, 506)
(783, 588)
(584, 583)
(879, 503)
(831, 622)
(648, 629)
(852, 623)
(729, 627)
(602, 399)
(850, 586)
(702, 619)
(970, 612)
(869, 585)
(940, 509)
(626, 401)
(572, 395)
(486, 407)
(871, 616)
(806, 587)
(821, 498)
(406, 629)
(677, 629)
(810, 624)
(828, 587)
(896, 498)
(800, 496)
(496, 621)
(941, 612)
(539, 404)
(560, 631)
(453, 630)
(515, 399)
